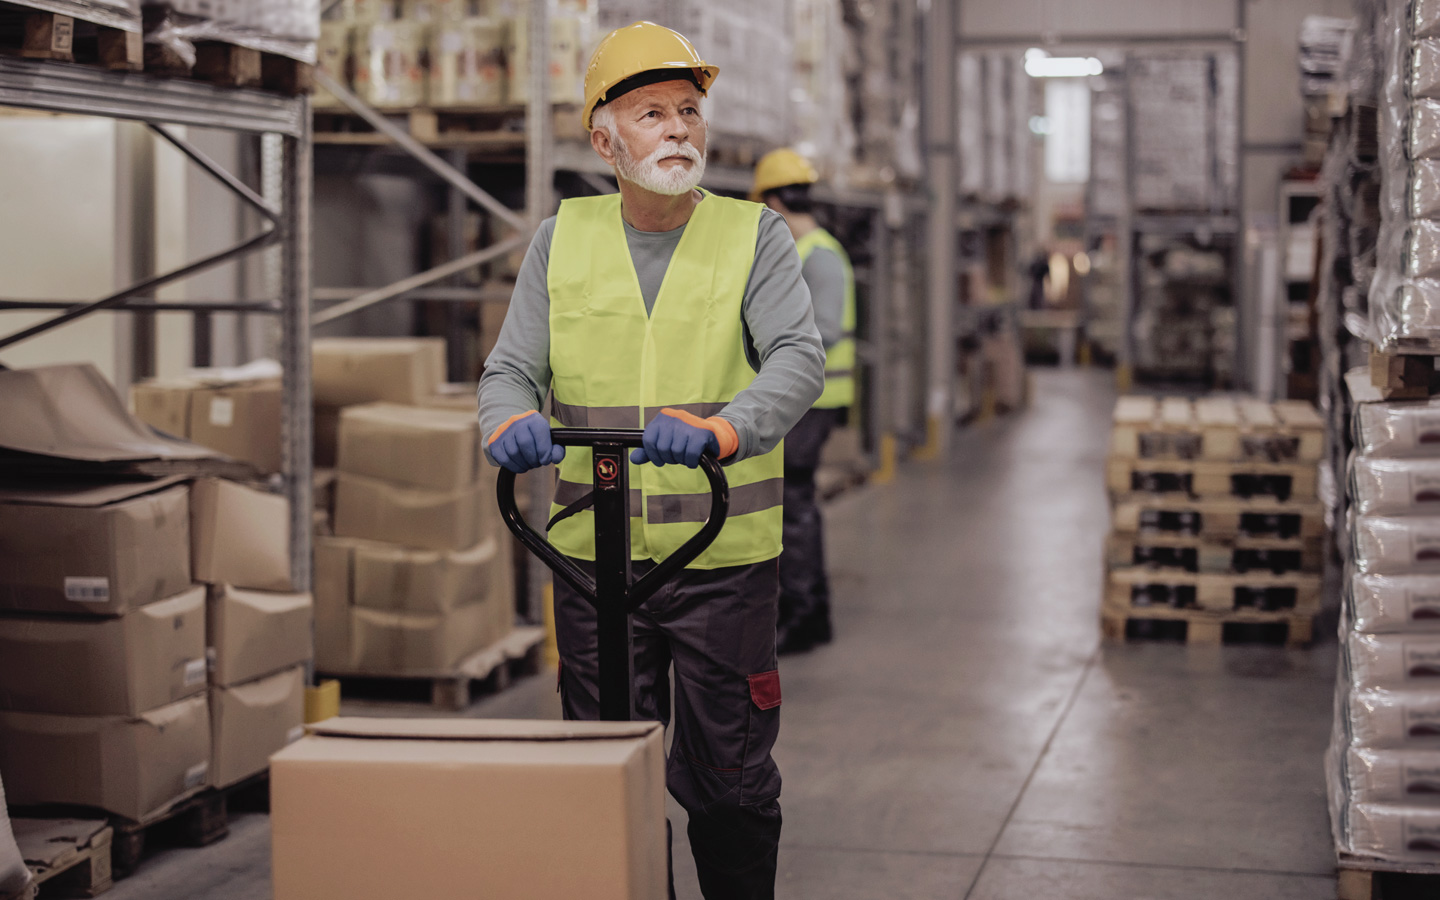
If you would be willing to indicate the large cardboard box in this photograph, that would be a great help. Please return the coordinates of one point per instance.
(241, 420)
(121, 666)
(99, 550)
(456, 396)
(251, 721)
(333, 562)
(255, 633)
(410, 445)
(130, 766)
(372, 809)
(327, 435)
(388, 643)
(241, 536)
(377, 510)
(397, 579)
(350, 371)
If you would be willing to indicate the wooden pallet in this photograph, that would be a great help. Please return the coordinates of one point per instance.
(493, 128)
(34, 34)
(229, 65)
(487, 671)
(1204, 627)
(198, 820)
(1218, 518)
(1197, 553)
(1404, 376)
(68, 857)
(1217, 428)
(1202, 478)
(1359, 879)
(1212, 592)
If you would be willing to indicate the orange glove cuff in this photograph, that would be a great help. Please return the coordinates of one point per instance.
(508, 422)
(724, 432)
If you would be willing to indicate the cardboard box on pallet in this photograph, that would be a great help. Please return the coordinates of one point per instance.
(595, 788)
(122, 666)
(258, 633)
(424, 518)
(391, 643)
(241, 420)
(397, 579)
(129, 766)
(350, 371)
(241, 536)
(249, 722)
(410, 446)
(94, 550)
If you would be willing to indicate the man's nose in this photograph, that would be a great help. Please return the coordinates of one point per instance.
(676, 129)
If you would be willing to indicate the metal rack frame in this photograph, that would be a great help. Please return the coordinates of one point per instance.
(80, 90)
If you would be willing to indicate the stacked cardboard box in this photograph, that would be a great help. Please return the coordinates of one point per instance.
(1384, 756)
(225, 410)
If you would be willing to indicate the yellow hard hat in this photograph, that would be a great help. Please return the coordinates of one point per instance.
(640, 47)
(780, 168)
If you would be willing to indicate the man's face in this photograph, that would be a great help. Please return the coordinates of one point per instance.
(659, 140)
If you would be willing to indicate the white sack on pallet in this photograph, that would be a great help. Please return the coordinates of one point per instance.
(14, 876)
(122, 14)
(1393, 776)
(1422, 130)
(1395, 545)
(1391, 832)
(1422, 187)
(1381, 718)
(1395, 487)
(1425, 18)
(1385, 604)
(1405, 314)
(282, 27)
(1398, 428)
(1393, 660)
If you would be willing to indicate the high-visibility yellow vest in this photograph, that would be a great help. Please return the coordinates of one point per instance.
(839, 358)
(614, 366)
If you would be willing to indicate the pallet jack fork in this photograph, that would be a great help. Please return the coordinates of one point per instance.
(613, 591)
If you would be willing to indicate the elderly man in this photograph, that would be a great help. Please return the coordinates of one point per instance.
(672, 309)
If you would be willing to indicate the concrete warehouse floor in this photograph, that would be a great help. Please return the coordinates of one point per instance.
(967, 736)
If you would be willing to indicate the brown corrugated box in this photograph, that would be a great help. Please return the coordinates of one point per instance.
(410, 445)
(256, 633)
(457, 396)
(389, 643)
(251, 721)
(128, 766)
(97, 550)
(348, 371)
(327, 435)
(121, 666)
(241, 536)
(571, 810)
(398, 579)
(377, 510)
(240, 420)
(333, 561)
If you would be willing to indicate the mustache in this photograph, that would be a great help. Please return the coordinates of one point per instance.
(671, 148)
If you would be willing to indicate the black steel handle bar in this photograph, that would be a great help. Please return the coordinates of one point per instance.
(573, 575)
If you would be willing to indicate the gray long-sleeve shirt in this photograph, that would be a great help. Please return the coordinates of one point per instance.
(825, 276)
(784, 346)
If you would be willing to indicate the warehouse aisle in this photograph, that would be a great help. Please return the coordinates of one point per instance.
(967, 737)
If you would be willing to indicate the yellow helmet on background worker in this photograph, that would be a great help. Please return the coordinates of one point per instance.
(781, 168)
(637, 49)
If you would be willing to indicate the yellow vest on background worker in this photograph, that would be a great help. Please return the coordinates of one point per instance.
(614, 366)
(839, 358)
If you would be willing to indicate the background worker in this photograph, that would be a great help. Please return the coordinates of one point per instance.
(672, 309)
(782, 181)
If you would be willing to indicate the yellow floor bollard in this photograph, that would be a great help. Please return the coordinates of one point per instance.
(322, 702)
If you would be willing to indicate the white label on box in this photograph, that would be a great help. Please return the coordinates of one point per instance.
(222, 412)
(195, 775)
(195, 672)
(295, 734)
(1422, 606)
(87, 590)
(1421, 837)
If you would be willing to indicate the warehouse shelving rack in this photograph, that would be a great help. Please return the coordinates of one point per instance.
(81, 90)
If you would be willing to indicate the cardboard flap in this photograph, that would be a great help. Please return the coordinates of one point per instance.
(481, 729)
(85, 493)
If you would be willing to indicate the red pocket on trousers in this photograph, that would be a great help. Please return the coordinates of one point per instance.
(765, 689)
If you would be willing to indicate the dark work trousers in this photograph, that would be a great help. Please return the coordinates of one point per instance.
(717, 627)
(804, 588)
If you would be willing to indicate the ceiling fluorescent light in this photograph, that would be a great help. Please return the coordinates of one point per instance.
(1039, 64)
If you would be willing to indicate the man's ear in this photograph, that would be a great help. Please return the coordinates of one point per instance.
(600, 141)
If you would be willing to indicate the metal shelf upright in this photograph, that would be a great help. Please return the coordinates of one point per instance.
(81, 90)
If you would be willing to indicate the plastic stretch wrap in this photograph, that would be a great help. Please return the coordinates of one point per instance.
(282, 27)
(123, 14)
(1400, 833)
(1422, 130)
(1395, 487)
(1385, 545)
(14, 877)
(1423, 192)
(1398, 429)
(1425, 18)
(1393, 776)
(467, 62)
(388, 64)
(1386, 604)
(1391, 719)
(1393, 660)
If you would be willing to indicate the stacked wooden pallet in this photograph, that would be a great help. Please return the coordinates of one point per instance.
(1215, 518)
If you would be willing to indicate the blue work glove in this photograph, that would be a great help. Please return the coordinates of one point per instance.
(676, 436)
(523, 443)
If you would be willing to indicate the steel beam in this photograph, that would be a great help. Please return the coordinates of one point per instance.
(193, 306)
(296, 176)
(236, 186)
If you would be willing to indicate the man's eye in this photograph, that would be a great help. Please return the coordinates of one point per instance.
(651, 114)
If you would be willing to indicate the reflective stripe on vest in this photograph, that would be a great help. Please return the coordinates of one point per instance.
(840, 357)
(615, 366)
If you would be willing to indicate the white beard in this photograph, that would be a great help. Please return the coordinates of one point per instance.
(647, 174)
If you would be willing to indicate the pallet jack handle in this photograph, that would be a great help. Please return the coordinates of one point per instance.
(612, 592)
